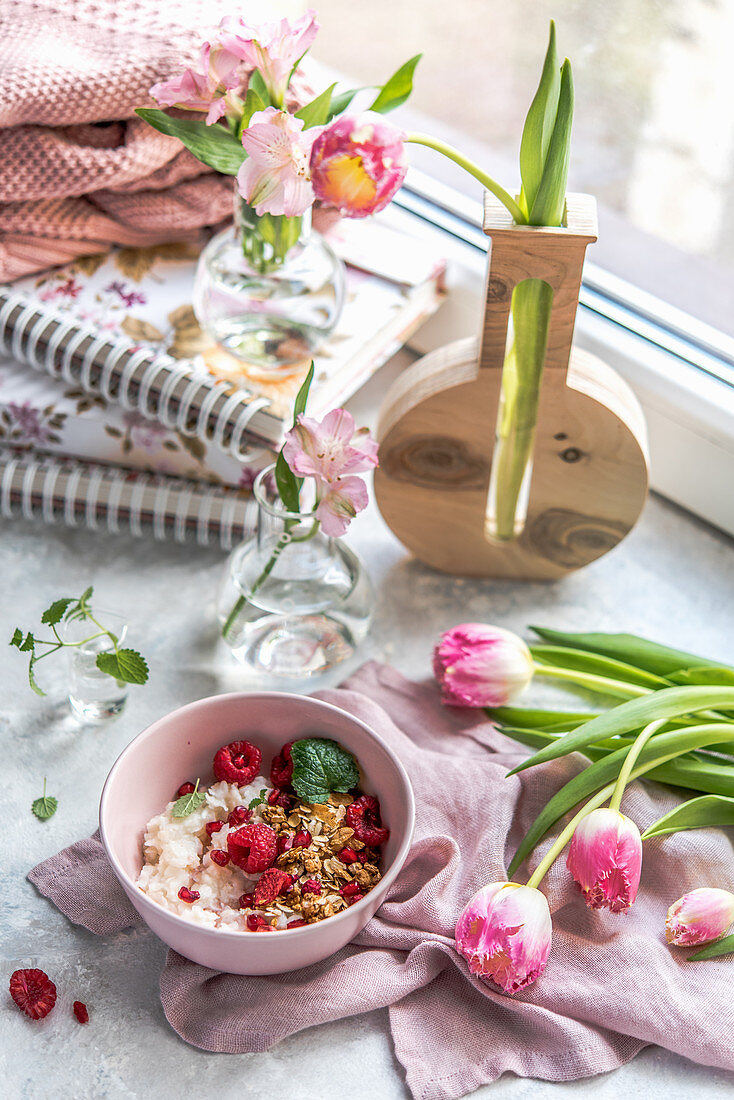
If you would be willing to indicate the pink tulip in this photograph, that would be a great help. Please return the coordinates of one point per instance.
(605, 859)
(202, 88)
(275, 177)
(699, 917)
(505, 934)
(481, 666)
(358, 163)
(273, 48)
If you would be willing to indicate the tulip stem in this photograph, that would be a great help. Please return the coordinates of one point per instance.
(629, 762)
(473, 170)
(601, 684)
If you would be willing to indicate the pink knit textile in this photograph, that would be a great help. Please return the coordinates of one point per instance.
(78, 171)
(612, 985)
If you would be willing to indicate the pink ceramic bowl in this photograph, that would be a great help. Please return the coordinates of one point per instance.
(182, 745)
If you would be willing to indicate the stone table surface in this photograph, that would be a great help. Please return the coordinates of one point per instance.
(672, 579)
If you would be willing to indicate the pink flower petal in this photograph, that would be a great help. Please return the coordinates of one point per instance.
(700, 916)
(504, 933)
(478, 665)
(605, 859)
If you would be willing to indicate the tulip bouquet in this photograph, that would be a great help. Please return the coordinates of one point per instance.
(675, 724)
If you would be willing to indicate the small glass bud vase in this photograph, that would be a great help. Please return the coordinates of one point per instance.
(293, 602)
(93, 695)
(269, 290)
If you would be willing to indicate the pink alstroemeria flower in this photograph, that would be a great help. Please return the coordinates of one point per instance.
(605, 859)
(701, 916)
(340, 503)
(203, 88)
(273, 48)
(481, 666)
(275, 178)
(358, 163)
(505, 935)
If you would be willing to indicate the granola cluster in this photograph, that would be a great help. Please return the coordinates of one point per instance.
(329, 874)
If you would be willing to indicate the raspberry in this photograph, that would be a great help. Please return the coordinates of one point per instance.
(302, 839)
(220, 857)
(185, 788)
(33, 992)
(240, 816)
(299, 923)
(363, 817)
(189, 895)
(247, 901)
(311, 886)
(213, 827)
(347, 855)
(256, 923)
(279, 798)
(365, 856)
(81, 1012)
(271, 883)
(253, 847)
(281, 769)
(238, 762)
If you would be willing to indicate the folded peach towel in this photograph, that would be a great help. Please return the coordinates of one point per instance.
(79, 172)
(611, 987)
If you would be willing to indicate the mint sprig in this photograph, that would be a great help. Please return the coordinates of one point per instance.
(321, 767)
(256, 801)
(187, 803)
(45, 806)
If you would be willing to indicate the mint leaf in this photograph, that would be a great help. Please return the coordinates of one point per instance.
(256, 801)
(187, 803)
(321, 766)
(55, 613)
(32, 678)
(17, 637)
(126, 664)
(45, 806)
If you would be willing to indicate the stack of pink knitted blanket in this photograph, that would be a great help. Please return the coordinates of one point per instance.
(78, 171)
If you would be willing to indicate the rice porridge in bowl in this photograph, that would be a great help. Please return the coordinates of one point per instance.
(254, 854)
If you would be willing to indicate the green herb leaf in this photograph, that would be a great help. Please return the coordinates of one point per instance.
(32, 677)
(187, 803)
(316, 112)
(539, 125)
(28, 644)
(321, 766)
(713, 950)
(125, 664)
(340, 102)
(55, 613)
(212, 145)
(256, 801)
(666, 703)
(698, 813)
(45, 806)
(17, 638)
(397, 89)
(637, 651)
(549, 205)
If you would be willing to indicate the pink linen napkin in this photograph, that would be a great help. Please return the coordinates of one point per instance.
(612, 985)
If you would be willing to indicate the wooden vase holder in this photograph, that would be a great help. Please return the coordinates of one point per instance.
(437, 427)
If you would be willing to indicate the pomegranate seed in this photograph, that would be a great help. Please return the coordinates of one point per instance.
(302, 839)
(220, 857)
(81, 1012)
(185, 788)
(255, 922)
(311, 886)
(296, 923)
(213, 827)
(285, 843)
(350, 890)
(279, 798)
(348, 855)
(188, 895)
(247, 901)
(240, 816)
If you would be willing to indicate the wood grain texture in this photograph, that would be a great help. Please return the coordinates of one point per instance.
(436, 428)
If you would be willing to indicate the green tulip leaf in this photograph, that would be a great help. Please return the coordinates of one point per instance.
(530, 718)
(634, 650)
(549, 205)
(712, 810)
(539, 125)
(714, 950)
(597, 665)
(710, 674)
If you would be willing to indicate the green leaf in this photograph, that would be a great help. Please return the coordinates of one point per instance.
(321, 766)
(316, 112)
(711, 810)
(549, 204)
(45, 807)
(256, 801)
(187, 803)
(539, 124)
(253, 103)
(289, 486)
(340, 102)
(713, 950)
(637, 651)
(258, 85)
(657, 751)
(299, 405)
(397, 89)
(632, 715)
(28, 644)
(530, 718)
(125, 664)
(713, 674)
(212, 145)
(55, 613)
(32, 677)
(597, 665)
(17, 638)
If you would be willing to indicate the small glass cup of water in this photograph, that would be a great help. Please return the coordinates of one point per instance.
(93, 695)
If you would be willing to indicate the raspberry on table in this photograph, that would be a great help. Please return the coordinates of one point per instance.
(253, 847)
(33, 992)
(363, 817)
(239, 762)
(281, 769)
(270, 884)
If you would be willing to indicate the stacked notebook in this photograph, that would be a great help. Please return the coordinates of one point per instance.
(118, 412)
